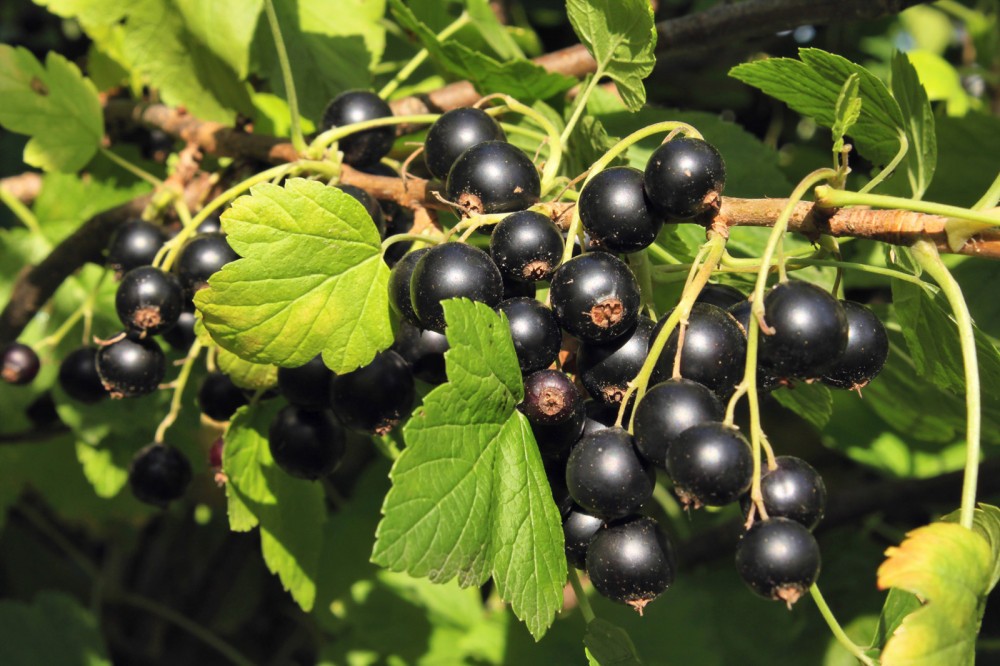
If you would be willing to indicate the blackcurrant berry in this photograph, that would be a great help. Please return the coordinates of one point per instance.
(356, 106)
(399, 285)
(219, 397)
(721, 295)
(685, 177)
(375, 397)
(372, 206)
(556, 475)
(181, 335)
(810, 330)
(526, 246)
(493, 177)
(78, 376)
(20, 364)
(606, 369)
(307, 385)
(595, 297)
(156, 145)
(513, 289)
(550, 397)
(631, 561)
(135, 244)
(741, 312)
(865, 353)
(201, 257)
(452, 270)
(710, 465)
(714, 352)
(615, 211)
(306, 443)
(779, 559)
(579, 527)
(424, 351)
(793, 490)
(131, 367)
(666, 411)
(159, 474)
(149, 301)
(42, 411)
(606, 476)
(535, 333)
(210, 225)
(453, 133)
(598, 416)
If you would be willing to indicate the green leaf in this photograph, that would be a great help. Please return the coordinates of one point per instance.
(225, 27)
(470, 498)
(621, 35)
(609, 645)
(898, 604)
(918, 118)
(67, 201)
(847, 111)
(966, 158)
(495, 33)
(53, 104)
(290, 512)
(54, 629)
(245, 374)
(590, 141)
(311, 279)
(813, 402)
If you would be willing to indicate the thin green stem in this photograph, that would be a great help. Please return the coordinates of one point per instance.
(84, 310)
(334, 134)
(666, 126)
(827, 197)
(21, 212)
(580, 105)
(904, 147)
(510, 128)
(581, 597)
(400, 238)
(837, 630)
(661, 253)
(551, 170)
(641, 267)
(990, 197)
(422, 55)
(673, 511)
(175, 401)
(739, 265)
(132, 168)
(298, 140)
(386, 447)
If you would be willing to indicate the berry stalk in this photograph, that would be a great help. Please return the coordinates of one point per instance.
(179, 384)
(837, 630)
(298, 141)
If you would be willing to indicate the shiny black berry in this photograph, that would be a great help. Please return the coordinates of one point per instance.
(131, 367)
(452, 270)
(779, 559)
(606, 476)
(375, 397)
(201, 257)
(535, 333)
(306, 443)
(159, 474)
(685, 177)
(810, 330)
(78, 376)
(372, 206)
(493, 177)
(356, 106)
(595, 297)
(424, 351)
(714, 352)
(219, 397)
(210, 225)
(721, 295)
(399, 285)
(865, 353)
(599, 416)
(181, 335)
(666, 411)
(766, 379)
(149, 301)
(710, 465)
(453, 133)
(308, 385)
(606, 369)
(631, 561)
(579, 527)
(135, 244)
(615, 211)
(550, 397)
(526, 246)
(19, 364)
(793, 490)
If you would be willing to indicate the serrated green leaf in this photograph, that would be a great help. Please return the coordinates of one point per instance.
(311, 279)
(470, 498)
(621, 35)
(245, 374)
(225, 27)
(812, 401)
(54, 104)
(590, 141)
(67, 201)
(898, 604)
(918, 120)
(54, 629)
(847, 111)
(609, 645)
(494, 32)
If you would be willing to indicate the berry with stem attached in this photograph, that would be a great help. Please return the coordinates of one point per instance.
(809, 330)
(534, 331)
(424, 351)
(550, 397)
(307, 385)
(375, 397)
(493, 177)
(19, 364)
(219, 397)
(794, 490)
(631, 561)
(778, 559)
(606, 476)
(452, 270)
(453, 133)
(201, 257)
(667, 410)
(159, 474)
(78, 376)
(714, 351)
(721, 295)
(579, 528)
(148, 300)
(606, 369)
(131, 367)
(865, 353)
(595, 297)
(526, 246)
(306, 443)
(710, 465)
(685, 177)
(135, 243)
(615, 211)
(357, 106)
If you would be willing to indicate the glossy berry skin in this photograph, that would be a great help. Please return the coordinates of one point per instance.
(357, 106)
(159, 474)
(741, 312)
(452, 270)
(19, 364)
(810, 330)
(493, 177)
(200, 258)
(710, 465)
(599, 416)
(424, 351)
(714, 352)
(307, 385)
(368, 201)
(78, 376)
(666, 411)
(135, 244)
(526, 246)
(778, 559)
(865, 353)
(793, 490)
(615, 211)
(131, 367)
(149, 301)
(579, 527)
(373, 398)
(550, 397)
(181, 335)
(535, 333)
(685, 177)
(606, 369)
(721, 295)
(606, 476)
(453, 133)
(306, 443)
(595, 297)
(219, 397)
(210, 225)
(399, 286)
(631, 561)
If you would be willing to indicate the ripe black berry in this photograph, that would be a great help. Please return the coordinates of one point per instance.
(307, 385)
(631, 561)
(710, 465)
(135, 244)
(666, 411)
(375, 397)
(714, 352)
(579, 527)
(356, 106)
(535, 333)
(453, 133)
(78, 376)
(148, 300)
(159, 474)
(200, 257)
(399, 285)
(766, 379)
(598, 416)
(793, 490)
(219, 397)
(721, 295)
(452, 270)
(306, 443)
(550, 397)
(20, 364)
(424, 351)
(865, 353)
(526, 246)
(210, 225)
(493, 177)
(372, 206)
(810, 330)
(606, 369)
(595, 297)
(685, 177)
(616, 212)
(606, 476)
(131, 367)
(779, 559)
(181, 335)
